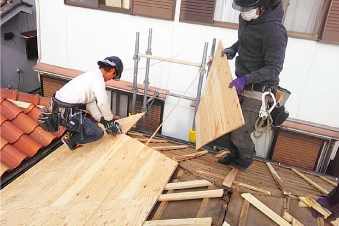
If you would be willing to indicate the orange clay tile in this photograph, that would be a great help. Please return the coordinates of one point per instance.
(11, 157)
(3, 142)
(41, 136)
(25, 123)
(9, 110)
(10, 132)
(27, 145)
(21, 136)
(2, 119)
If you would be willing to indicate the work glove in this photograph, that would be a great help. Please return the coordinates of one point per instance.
(112, 126)
(239, 83)
(230, 53)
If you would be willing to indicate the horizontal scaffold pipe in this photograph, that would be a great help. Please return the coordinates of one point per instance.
(162, 92)
(169, 60)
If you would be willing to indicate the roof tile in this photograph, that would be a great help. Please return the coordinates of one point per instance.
(11, 157)
(21, 135)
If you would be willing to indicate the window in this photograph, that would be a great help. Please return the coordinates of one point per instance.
(162, 9)
(311, 19)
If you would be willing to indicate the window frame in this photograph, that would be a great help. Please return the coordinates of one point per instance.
(317, 33)
(129, 11)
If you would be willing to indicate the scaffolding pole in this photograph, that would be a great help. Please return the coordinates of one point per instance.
(135, 75)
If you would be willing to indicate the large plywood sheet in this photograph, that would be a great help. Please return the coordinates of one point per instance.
(114, 181)
(219, 110)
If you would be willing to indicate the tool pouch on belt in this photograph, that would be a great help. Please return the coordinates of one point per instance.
(47, 120)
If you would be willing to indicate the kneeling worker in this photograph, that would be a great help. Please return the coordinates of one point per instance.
(87, 91)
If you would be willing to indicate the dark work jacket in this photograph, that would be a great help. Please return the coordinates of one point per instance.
(261, 47)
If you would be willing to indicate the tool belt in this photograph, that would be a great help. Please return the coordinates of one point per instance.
(59, 113)
(259, 88)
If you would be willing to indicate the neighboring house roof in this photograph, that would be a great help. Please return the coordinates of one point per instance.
(21, 136)
(67, 73)
(9, 10)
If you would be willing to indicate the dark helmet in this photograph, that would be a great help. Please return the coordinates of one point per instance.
(114, 62)
(247, 5)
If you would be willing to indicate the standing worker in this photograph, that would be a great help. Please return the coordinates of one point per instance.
(261, 45)
(68, 105)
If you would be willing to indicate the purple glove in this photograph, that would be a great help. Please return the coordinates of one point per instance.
(239, 83)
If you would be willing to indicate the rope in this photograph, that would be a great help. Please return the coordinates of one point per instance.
(202, 68)
(258, 128)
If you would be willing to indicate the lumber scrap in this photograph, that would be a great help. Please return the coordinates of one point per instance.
(290, 219)
(221, 154)
(315, 205)
(219, 109)
(192, 195)
(317, 186)
(263, 208)
(302, 204)
(329, 181)
(188, 184)
(243, 213)
(335, 222)
(278, 179)
(225, 224)
(189, 156)
(163, 205)
(164, 148)
(229, 179)
(215, 176)
(151, 141)
(206, 221)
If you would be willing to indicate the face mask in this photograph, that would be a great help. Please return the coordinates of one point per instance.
(249, 15)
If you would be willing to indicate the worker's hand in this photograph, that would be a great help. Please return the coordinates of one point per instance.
(230, 53)
(112, 127)
(239, 83)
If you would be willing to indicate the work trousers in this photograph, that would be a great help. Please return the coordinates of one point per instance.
(91, 131)
(240, 141)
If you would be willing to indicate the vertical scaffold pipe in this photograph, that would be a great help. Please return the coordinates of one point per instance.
(201, 78)
(135, 75)
(146, 82)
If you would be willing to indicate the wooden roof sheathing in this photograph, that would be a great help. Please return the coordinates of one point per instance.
(114, 181)
(219, 110)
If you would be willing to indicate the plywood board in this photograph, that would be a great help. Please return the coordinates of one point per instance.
(219, 109)
(116, 181)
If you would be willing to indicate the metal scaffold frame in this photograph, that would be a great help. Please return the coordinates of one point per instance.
(148, 57)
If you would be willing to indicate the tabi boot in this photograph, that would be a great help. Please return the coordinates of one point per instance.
(230, 158)
(241, 164)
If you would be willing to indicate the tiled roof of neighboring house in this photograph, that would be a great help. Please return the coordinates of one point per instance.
(21, 136)
(10, 10)
(67, 73)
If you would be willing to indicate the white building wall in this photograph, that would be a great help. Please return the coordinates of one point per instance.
(76, 38)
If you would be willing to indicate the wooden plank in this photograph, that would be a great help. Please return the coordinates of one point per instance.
(243, 213)
(163, 205)
(323, 190)
(221, 154)
(252, 188)
(204, 204)
(329, 181)
(151, 141)
(116, 176)
(218, 103)
(164, 148)
(206, 221)
(278, 179)
(189, 156)
(230, 178)
(263, 208)
(301, 204)
(188, 184)
(192, 195)
(288, 217)
(335, 222)
(312, 203)
(225, 224)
